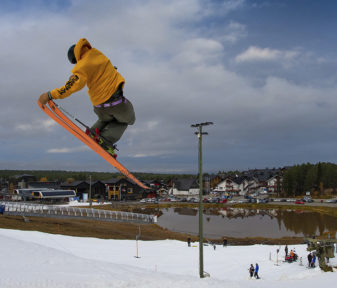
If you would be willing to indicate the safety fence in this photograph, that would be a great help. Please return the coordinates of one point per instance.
(41, 210)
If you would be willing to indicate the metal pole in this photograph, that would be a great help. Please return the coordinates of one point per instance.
(201, 240)
(137, 237)
(90, 190)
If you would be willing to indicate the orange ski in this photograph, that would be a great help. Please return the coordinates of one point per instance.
(56, 114)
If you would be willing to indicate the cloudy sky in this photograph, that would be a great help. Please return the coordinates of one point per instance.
(263, 71)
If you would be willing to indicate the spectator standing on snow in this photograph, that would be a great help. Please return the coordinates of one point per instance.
(309, 259)
(286, 250)
(313, 262)
(189, 242)
(224, 242)
(256, 273)
(251, 270)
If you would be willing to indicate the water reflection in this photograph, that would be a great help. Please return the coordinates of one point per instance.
(238, 222)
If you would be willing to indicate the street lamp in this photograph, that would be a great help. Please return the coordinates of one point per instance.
(199, 133)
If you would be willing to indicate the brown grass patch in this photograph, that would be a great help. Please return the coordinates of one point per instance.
(90, 228)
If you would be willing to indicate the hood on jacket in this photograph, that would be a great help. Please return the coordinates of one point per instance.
(81, 47)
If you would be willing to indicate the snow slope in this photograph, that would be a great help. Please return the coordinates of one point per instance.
(35, 259)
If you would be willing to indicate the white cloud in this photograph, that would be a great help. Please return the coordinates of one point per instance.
(216, 8)
(36, 126)
(68, 150)
(234, 32)
(198, 51)
(144, 155)
(255, 54)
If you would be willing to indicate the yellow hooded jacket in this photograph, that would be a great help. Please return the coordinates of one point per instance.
(94, 69)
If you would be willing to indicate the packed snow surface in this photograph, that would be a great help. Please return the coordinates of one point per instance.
(35, 259)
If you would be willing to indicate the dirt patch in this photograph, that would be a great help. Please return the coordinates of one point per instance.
(89, 228)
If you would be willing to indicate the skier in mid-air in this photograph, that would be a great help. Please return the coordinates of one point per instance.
(105, 84)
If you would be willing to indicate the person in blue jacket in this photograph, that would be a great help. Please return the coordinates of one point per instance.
(256, 273)
(313, 262)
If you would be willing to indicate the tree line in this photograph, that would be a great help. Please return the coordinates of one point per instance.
(316, 178)
(297, 179)
(63, 176)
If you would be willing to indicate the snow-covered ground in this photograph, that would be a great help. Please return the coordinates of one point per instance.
(35, 259)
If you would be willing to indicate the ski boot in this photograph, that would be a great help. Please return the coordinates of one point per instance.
(108, 148)
(94, 134)
(98, 139)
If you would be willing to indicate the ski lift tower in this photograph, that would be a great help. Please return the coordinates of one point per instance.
(199, 133)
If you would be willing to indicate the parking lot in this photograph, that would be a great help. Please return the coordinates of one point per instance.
(241, 200)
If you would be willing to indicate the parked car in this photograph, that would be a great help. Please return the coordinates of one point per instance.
(224, 200)
(264, 200)
(150, 200)
(331, 201)
(299, 201)
(242, 201)
(308, 199)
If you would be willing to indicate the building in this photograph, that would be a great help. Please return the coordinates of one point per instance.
(80, 187)
(23, 179)
(249, 182)
(231, 186)
(130, 190)
(184, 187)
(113, 189)
(237, 185)
(123, 190)
(274, 184)
(98, 190)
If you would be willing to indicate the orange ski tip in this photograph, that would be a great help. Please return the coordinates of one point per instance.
(40, 104)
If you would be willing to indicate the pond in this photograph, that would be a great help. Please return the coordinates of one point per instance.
(241, 223)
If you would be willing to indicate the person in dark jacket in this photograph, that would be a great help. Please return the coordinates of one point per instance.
(286, 250)
(189, 242)
(251, 270)
(309, 259)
